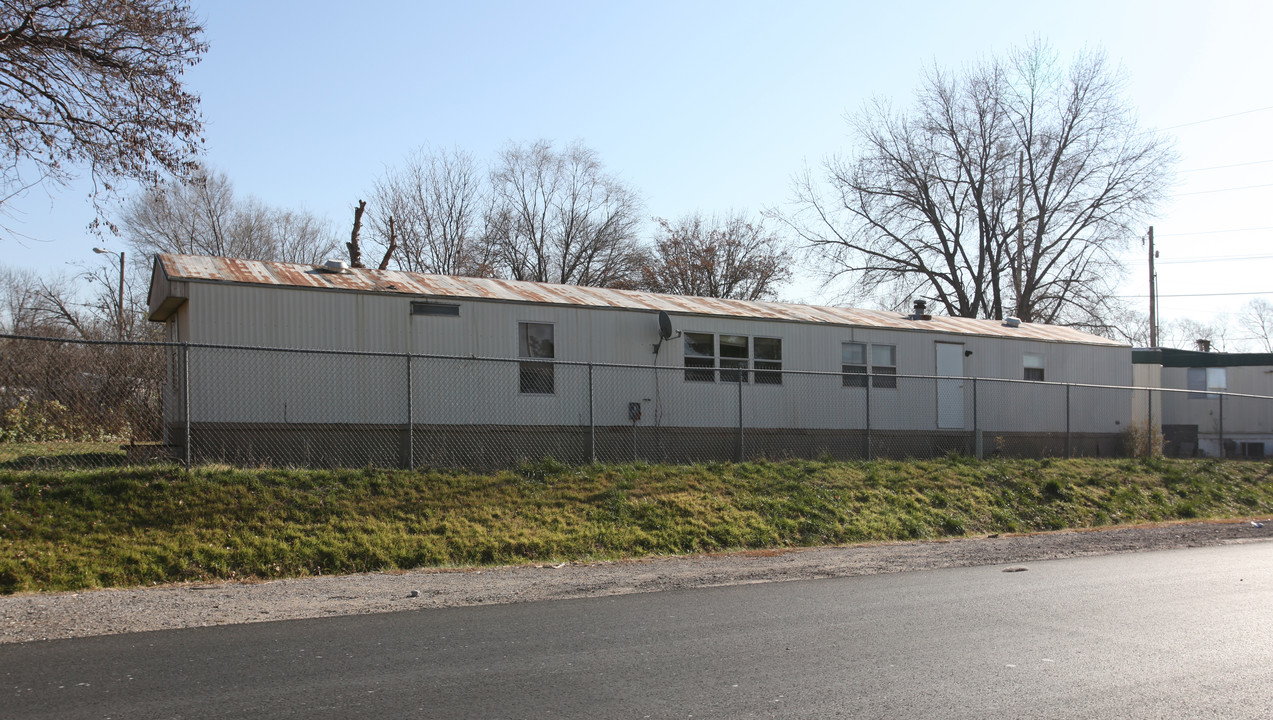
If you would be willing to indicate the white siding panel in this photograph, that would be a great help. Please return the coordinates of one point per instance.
(257, 388)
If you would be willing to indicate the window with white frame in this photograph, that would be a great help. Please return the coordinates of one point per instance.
(767, 353)
(734, 356)
(1032, 367)
(700, 357)
(1204, 382)
(734, 352)
(883, 365)
(854, 366)
(535, 340)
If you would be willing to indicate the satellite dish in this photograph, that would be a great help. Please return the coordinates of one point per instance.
(665, 330)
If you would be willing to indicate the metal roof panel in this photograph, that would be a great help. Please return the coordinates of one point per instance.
(215, 269)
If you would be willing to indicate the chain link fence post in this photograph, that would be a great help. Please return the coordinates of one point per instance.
(869, 381)
(979, 449)
(185, 399)
(1222, 426)
(740, 415)
(410, 418)
(592, 425)
(1068, 446)
(1149, 422)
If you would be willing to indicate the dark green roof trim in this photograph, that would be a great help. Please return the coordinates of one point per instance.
(1171, 357)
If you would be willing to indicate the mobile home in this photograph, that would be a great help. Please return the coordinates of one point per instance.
(456, 370)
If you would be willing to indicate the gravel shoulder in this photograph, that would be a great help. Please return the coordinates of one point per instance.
(48, 616)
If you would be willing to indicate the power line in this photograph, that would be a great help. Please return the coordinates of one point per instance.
(1190, 295)
(1226, 167)
(1220, 190)
(1226, 258)
(1214, 232)
(1221, 117)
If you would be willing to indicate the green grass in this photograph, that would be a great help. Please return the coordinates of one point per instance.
(64, 530)
(60, 454)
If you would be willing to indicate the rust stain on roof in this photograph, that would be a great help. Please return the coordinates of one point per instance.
(214, 269)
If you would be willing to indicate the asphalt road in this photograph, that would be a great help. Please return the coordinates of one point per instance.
(1181, 633)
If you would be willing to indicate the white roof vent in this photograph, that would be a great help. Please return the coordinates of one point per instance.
(335, 266)
(1012, 321)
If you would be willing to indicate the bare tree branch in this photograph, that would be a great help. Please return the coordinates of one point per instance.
(202, 216)
(929, 204)
(727, 257)
(556, 216)
(97, 83)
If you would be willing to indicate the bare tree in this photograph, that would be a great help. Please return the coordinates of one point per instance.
(355, 251)
(1009, 188)
(557, 216)
(50, 307)
(1185, 333)
(96, 83)
(1257, 319)
(202, 216)
(18, 293)
(727, 257)
(1128, 325)
(435, 202)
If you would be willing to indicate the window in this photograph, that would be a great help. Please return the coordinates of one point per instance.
(535, 340)
(432, 308)
(1033, 363)
(735, 355)
(768, 363)
(1217, 380)
(853, 364)
(1206, 380)
(700, 352)
(854, 368)
(883, 362)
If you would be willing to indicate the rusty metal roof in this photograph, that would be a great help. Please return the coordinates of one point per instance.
(216, 269)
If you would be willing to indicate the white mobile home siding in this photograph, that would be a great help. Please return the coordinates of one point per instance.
(250, 386)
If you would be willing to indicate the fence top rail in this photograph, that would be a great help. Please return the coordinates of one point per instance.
(633, 366)
(82, 341)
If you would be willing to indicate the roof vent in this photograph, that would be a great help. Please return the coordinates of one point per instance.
(920, 306)
(335, 266)
(1012, 322)
(1203, 345)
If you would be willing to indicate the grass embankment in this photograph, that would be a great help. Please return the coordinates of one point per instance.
(131, 526)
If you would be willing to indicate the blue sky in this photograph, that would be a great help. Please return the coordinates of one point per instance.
(706, 106)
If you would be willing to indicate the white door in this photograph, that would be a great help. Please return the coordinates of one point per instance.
(950, 393)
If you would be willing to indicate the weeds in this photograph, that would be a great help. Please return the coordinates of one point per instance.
(62, 530)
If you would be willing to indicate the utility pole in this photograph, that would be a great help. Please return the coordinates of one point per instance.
(1153, 293)
(1018, 271)
(103, 251)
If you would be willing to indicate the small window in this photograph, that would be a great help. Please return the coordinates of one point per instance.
(1217, 379)
(768, 360)
(1196, 382)
(883, 365)
(700, 352)
(1033, 363)
(1205, 382)
(535, 340)
(430, 308)
(853, 364)
(733, 358)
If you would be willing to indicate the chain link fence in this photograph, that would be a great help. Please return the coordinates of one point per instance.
(77, 404)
